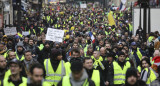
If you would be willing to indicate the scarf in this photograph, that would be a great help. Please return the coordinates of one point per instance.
(27, 63)
(98, 62)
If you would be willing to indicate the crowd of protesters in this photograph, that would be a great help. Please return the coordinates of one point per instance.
(93, 52)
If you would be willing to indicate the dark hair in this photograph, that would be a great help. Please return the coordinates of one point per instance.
(131, 72)
(27, 52)
(147, 60)
(31, 39)
(55, 53)
(76, 50)
(76, 66)
(36, 65)
(86, 58)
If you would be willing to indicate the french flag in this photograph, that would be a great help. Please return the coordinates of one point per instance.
(122, 5)
(92, 37)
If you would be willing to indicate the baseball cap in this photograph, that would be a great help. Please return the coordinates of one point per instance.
(133, 43)
(15, 61)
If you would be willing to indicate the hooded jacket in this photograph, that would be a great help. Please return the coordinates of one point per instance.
(19, 54)
(80, 82)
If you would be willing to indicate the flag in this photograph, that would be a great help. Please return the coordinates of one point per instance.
(122, 5)
(111, 19)
(92, 37)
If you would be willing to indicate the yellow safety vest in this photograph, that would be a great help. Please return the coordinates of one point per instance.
(152, 76)
(150, 38)
(6, 83)
(68, 69)
(138, 54)
(7, 74)
(66, 81)
(96, 77)
(119, 73)
(18, 57)
(20, 35)
(53, 77)
(86, 48)
(41, 46)
(130, 28)
(139, 68)
(33, 32)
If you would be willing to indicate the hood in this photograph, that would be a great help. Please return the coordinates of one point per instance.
(20, 44)
(81, 81)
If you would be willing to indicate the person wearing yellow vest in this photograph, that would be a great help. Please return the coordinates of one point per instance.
(19, 51)
(98, 61)
(32, 31)
(75, 53)
(78, 76)
(88, 51)
(4, 71)
(15, 79)
(148, 75)
(11, 55)
(3, 49)
(137, 53)
(54, 67)
(36, 78)
(93, 74)
(103, 53)
(118, 70)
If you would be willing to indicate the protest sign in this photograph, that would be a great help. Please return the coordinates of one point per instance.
(55, 35)
(10, 31)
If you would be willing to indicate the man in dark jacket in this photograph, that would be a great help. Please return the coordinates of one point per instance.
(78, 77)
(88, 65)
(19, 51)
(33, 48)
(45, 53)
(28, 62)
(118, 70)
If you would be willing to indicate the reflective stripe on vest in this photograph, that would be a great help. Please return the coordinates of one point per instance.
(66, 81)
(68, 69)
(96, 77)
(151, 77)
(119, 73)
(51, 76)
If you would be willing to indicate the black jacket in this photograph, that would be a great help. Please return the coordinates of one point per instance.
(44, 54)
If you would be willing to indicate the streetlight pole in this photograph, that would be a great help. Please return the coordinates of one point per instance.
(18, 3)
(144, 4)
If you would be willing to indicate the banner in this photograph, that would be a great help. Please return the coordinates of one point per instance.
(111, 19)
(83, 5)
(55, 35)
(25, 33)
(10, 31)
